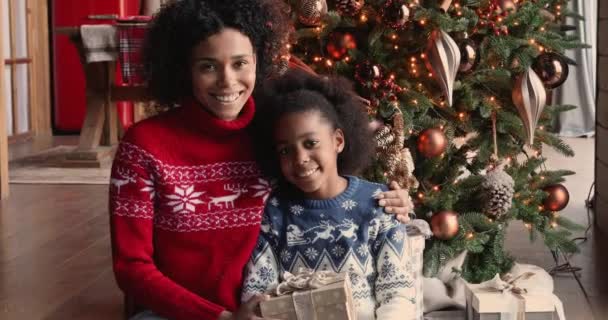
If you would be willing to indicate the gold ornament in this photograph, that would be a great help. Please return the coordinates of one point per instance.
(443, 60)
(529, 97)
(311, 12)
(445, 5)
(558, 197)
(508, 5)
(547, 15)
(432, 142)
(444, 224)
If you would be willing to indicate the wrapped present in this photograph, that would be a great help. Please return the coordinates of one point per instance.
(310, 295)
(417, 232)
(502, 299)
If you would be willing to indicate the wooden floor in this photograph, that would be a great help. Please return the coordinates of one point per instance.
(55, 253)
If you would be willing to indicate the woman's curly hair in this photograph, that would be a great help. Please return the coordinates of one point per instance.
(181, 24)
(333, 97)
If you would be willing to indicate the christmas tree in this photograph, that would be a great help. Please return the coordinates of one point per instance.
(457, 91)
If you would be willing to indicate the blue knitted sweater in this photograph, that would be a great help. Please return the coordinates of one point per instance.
(348, 233)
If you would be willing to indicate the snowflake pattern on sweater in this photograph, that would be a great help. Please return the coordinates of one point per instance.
(349, 233)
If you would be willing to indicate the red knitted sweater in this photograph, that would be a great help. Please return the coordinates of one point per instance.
(186, 199)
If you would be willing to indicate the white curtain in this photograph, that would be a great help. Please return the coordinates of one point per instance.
(580, 87)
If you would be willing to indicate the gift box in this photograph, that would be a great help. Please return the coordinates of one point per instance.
(489, 303)
(327, 301)
(415, 251)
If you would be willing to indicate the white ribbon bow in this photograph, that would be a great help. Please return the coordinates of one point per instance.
(506, 284)
(306, 279)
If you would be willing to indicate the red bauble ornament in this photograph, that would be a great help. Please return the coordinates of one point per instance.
(444, 224)
(339, 43)
(558, 197)
(349, 7)
(469, 55)
(551, 68)
(395, 14)
(432, 142)
(367, 71)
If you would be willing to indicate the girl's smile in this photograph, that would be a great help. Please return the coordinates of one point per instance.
(308, 148)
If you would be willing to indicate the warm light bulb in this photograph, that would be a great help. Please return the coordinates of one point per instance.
(363, 18)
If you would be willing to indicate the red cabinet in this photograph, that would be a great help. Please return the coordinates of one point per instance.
(67, 73)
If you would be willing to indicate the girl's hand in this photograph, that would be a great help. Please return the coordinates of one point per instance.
(396, 201)
(246, 311)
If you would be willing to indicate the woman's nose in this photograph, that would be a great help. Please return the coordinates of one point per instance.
(226, 77)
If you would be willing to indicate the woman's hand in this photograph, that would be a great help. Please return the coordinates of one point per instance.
(396, 201)
(246, 311)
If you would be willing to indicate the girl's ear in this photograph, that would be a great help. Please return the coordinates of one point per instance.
(339, 140)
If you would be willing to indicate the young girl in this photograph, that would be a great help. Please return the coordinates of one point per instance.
(321, 218)
(186, 194)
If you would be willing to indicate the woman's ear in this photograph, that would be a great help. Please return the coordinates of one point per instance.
(339, 140)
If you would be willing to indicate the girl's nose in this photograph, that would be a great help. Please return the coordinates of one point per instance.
(301, 156)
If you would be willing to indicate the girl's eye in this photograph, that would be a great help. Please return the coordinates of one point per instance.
(282, 151)
(310, 143)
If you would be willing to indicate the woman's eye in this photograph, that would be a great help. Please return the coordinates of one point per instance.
(206, 67)
(240, 64)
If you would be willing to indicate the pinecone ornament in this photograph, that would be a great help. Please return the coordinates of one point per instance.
(497, 193)
(397, 160)
(349, 7)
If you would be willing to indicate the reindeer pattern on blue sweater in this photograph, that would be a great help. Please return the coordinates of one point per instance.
(348, 233)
